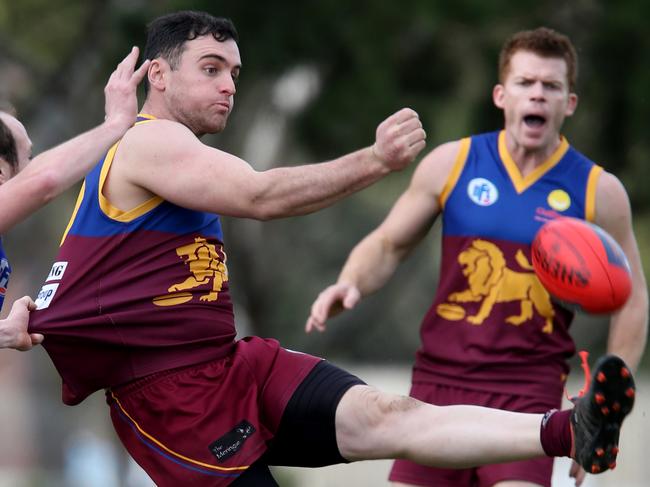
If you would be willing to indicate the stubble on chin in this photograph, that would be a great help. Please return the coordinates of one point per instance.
(202, 126)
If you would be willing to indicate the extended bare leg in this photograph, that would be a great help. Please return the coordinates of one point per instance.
(371, 424)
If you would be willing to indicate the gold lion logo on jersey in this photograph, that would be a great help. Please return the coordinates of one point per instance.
(205, 265)
(490, 282)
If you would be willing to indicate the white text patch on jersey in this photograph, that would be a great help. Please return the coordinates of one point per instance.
(57, 271)
(45, 295)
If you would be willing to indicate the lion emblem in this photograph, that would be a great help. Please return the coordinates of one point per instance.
(491, 282)
(205, 265)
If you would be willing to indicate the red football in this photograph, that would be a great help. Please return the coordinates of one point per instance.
(580, 264)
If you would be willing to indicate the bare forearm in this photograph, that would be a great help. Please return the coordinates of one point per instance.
(304, 189)
(291, 191)
(54, 171)
(628, 327)
(628, 331)
(370, 264)
(67, 163)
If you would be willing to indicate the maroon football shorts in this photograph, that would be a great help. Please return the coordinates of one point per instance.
(205, 424)
(537, 471)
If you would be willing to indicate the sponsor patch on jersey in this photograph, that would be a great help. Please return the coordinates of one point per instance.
(46, 295)
(231, 442)
(482, 192)
(559, 200)
(57, 271)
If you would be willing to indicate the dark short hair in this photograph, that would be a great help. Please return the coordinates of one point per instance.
(166, 35)
(8, 145)
(544, 42)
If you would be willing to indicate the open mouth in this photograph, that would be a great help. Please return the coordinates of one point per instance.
(534, 121)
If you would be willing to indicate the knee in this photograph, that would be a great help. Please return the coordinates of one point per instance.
(370, 423)
(383, 409)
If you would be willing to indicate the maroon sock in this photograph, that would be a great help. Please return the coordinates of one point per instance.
(555, 433)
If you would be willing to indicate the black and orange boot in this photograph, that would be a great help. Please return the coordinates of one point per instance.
(598, 414)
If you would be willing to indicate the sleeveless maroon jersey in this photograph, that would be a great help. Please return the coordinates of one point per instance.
(492, 326)
(133, 293)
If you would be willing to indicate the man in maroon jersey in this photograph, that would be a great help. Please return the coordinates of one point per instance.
(492, 336)
(138, 303)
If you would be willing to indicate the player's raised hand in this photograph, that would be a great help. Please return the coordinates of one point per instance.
(330, 302)
(399, 139)
(121, 100)
(13, 329)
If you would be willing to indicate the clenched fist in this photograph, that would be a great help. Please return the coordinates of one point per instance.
(399, 139)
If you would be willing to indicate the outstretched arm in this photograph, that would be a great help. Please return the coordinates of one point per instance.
(53, 171)
(629, 326)
(374, 260)
(165, 159)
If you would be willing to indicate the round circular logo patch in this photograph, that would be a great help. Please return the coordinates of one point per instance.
(482, 192)
(559, 200)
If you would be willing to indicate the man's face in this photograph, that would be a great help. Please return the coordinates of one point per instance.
(23, 147)
(535, 99)
(200, 91)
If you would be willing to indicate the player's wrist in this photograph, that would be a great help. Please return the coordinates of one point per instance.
(346, 281)
(8, 339)
(379, 158)
(4, 342)
(117, 125)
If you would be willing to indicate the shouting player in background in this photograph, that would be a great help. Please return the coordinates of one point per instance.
(492, 336)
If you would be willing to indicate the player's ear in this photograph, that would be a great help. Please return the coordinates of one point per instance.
(498, 95)
(156, 74)
(571, 105)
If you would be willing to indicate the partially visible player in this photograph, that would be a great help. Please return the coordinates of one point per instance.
(26, 186)
(492, 336)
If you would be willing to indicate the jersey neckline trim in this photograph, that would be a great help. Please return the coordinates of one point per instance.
(522, 183)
